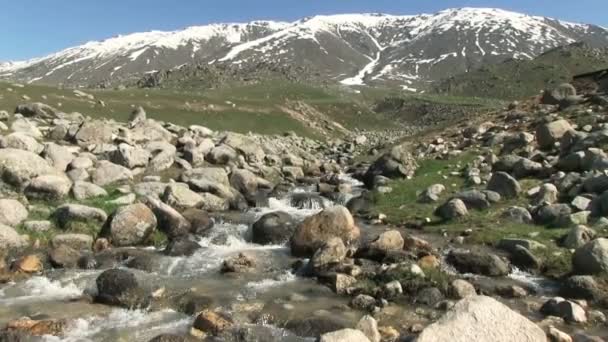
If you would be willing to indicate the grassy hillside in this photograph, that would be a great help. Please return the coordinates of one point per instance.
(515, 79)
(271, 107)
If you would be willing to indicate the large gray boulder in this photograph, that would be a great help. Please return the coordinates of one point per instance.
(273, 228)
(85, 190)
(245, 146)
(504, 184)
(452, 209)
(18, 167)
(107, 173)
(170, 221)
(94, 132)
(398, 163)
(179, 196)
(12, 212)
(591, 258)
(130, 225)
(481, 318)
(162, 155)
(58, 156)
(21, 141)
(36, 109)
(49, 187)
(478, 262)
(130, 156)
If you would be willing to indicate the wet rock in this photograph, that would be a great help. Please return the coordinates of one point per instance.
(32, 327)
(591, 258)
(192, 303)
(314, 326)
(273, 229)
(331, 253)
(517, 215)
(170, 221)
(12, 212)
(350, 335)
(369, 326)
(118, 287)
(168, 338)
(478, 263)
(504, 184)
(363, 302)
(315, 230)
(70, 213)
(452, 209)
(569, 311)
(28, 264)
(307, 201)
(64, 257)
(481, 318)
(181, 247)
(548, 134)
(241, 263)
(130, 225)
(200, 222)
(360, 205)
(107, 173)
(429, 296)
(462, 289)
(211, 322)
(524, 259)
(581, 287)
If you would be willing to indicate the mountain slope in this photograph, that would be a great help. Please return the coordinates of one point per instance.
(515, 79)
(408, 51)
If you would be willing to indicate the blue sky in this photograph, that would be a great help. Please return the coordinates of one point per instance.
(32, 28)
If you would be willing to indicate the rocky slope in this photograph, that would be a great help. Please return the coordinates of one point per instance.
(515, 79)
(408, 51)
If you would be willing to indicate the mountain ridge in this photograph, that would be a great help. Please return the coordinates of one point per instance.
(408, 51)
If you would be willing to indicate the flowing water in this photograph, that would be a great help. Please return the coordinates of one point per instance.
(271, 288)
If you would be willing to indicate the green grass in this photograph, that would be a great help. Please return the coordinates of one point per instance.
(485, 227)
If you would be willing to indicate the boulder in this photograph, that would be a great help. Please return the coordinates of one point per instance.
(12, 212)
(578, 236)
(21, 141)
(478, 262)
(119, 287)
(36, 109)
(30, 327)
(504, 184)
(69, 213)
(84, 190)
(49, 187)
(107, 173)
(131, 157)
(452, 209)
(591, 258)
(462, 289)
(245, 146)
(181, 247)
(64, 257)
(162, 155)
(179, 196)
(480, 318)
(517, 215)
(170, 221)
(77, 242)
(431, 194)
(200, 222)
(350, 335)
(58, 156)
(569, 311)
(398, 163)
(130, 225)
(369, 326)
(221, 155)
(273, 228)
(550, 133)
(240, 263)
(317, 229)
(331, 253)
(18, 167)
(94, 132)
(581, 287)
(138, 115)
(211, 322)
(553, 215)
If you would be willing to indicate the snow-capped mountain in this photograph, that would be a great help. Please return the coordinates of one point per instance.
(352, 49)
